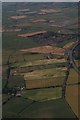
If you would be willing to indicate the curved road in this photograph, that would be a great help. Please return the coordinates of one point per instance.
(70, 54)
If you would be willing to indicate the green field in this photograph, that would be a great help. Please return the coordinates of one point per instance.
(4, 75)
(5, 98)
(16, 81)
(14, 106)
(24, 57)
(23, 108)
(43, 94)
(49, 109)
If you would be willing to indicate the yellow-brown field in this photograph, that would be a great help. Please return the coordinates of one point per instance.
(73, 77)
(41, 83)
(77, 62)
(42, 62)
(45, 73)
(45, 78)
(72, 98)
(46, 49)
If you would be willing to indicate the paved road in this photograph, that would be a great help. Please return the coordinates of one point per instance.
(70, 54)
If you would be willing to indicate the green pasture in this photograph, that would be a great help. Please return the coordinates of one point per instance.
(43, 94)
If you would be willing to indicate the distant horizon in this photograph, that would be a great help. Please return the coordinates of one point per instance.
(39, 0)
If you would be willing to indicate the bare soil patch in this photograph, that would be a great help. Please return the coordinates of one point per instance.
(17, 17)
(50, 10)
(46, 49)
(31, 34)
(2, 30)
(39, 21)
(69, 45)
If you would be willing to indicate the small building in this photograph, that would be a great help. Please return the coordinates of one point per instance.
(18, 94)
